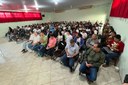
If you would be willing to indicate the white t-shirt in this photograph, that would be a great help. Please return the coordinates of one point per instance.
(39, 30)
(84, 35)
(34, 30)
(95, 32)
(31, 37)
(68, 38)
(36, 39)
(78, 40)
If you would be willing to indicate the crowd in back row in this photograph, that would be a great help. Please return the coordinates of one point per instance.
(69, 39)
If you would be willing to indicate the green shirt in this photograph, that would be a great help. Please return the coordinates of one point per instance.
(43, 38)
(96, 59)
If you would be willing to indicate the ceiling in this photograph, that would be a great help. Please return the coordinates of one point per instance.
(46, 5)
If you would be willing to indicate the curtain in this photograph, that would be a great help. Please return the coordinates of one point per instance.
(19, 16)
(119, 8)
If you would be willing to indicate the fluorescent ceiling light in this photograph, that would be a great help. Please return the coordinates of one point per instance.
(36, 5)
(25, 8)
(39, 6)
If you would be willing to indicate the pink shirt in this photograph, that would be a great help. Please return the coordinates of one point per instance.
(52, 42)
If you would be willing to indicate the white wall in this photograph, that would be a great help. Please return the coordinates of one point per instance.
(121, 27)
(4, 26)
(99, 13)
(48, 17)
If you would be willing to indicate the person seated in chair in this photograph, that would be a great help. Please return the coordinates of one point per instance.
(39, 48)
(114, 49)
(91, 41)
(27, 42)
(94, 59)
(80, 41)
(36, 40)
(51, 45)
(72, 51)
(60, 45)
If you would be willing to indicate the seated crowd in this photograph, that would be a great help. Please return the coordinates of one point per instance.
(66, 40)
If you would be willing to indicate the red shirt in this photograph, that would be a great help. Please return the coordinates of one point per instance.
(118, 45)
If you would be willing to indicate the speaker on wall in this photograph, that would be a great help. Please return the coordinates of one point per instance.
(43, 15)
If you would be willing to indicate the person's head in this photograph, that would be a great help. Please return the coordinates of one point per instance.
(94, 36)
(97, 47)
(10, 28)
(42, 33)
(117, 38)
(113, 33)
(72, 42)
(68, 32)
(51, 36)
(111, 29)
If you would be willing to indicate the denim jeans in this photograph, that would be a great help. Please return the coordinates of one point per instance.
(110, 56)
(92, 71)
(69, 62)
(40, 49)
(32, 47)
(25, 45)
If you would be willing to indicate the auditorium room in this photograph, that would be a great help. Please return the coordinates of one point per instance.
(63, 42)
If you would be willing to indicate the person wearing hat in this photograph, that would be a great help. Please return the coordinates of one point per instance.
(116, 47)
(68, 59)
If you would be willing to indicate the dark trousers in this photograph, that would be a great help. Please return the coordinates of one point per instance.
(69, 62)
(40, 49)
(50, 51)
(110, 56)
(92, 75)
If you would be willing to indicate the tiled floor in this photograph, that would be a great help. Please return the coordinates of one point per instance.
(28, 69)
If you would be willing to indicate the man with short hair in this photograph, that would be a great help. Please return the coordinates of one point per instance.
(91, 41)
(94, 59)
(72, 51)
(36, 39)
(114, 49)
(39, 48)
